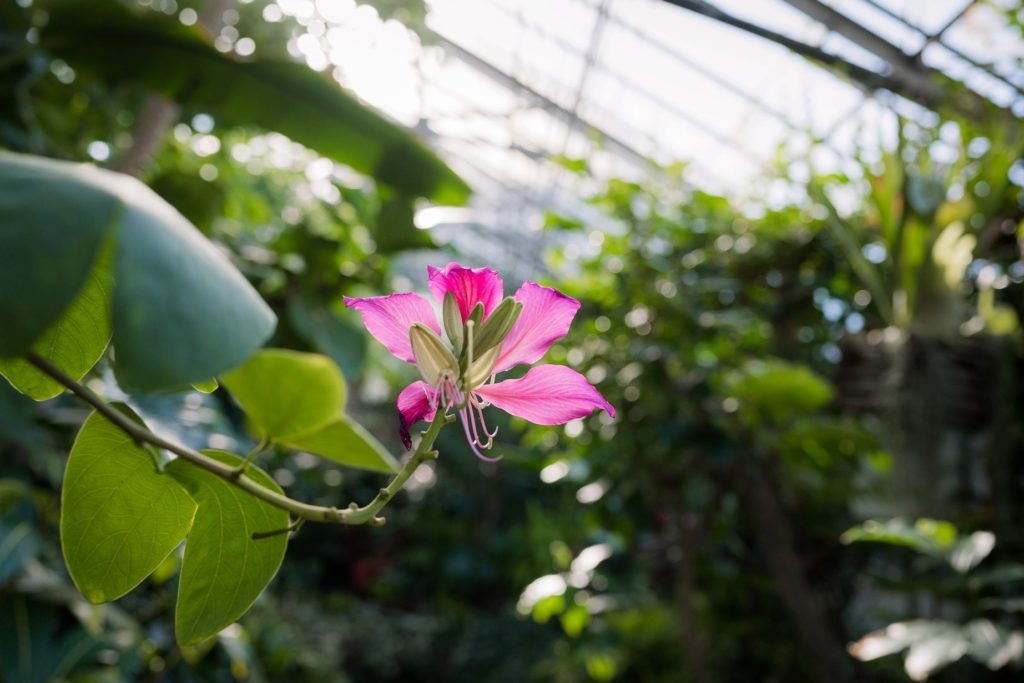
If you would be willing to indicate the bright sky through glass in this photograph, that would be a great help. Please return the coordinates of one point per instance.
(509, 83)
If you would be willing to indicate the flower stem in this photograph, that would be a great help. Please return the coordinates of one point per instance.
(353, 514)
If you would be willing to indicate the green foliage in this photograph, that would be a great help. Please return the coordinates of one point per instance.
(715, 325)
(287, 393)
(346, 443)
(329, 333)
(33, 646)
(51, 234)
(181, 312)
(775, 392)
(76, 341)
(147, 49)
(224, 569)
(933, 644)
(928, 536)
(396, 231)
(200, 201)
(297, 400)
(120, 517)
(18, 544)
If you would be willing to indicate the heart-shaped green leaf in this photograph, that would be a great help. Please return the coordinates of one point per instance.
(181, 312)
(119, 516)
(287, 393)
(75, 341)
(347, 443)
(224, 569)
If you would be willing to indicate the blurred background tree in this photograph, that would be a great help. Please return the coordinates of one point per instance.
(816, 461)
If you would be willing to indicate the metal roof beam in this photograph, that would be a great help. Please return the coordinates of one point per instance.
(933, 96)
(575, 122)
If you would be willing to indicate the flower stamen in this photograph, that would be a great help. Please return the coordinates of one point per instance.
(472, 442)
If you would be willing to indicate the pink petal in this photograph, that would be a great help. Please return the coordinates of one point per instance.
(546, 395)
(547, 315)
(469, 285)
(388, 318)
(415, 403)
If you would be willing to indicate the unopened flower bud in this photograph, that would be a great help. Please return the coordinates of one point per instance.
(476, 315)
(453, 322)
(497, 326)
(481, 369)
(433, 358)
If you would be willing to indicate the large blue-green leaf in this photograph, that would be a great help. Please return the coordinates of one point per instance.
(49, 240)
(224, 569)
(153, 50)
(181, 312)
(75, 341)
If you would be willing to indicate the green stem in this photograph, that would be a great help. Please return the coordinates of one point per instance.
(353, 514)
(424, 451)
(263, 445)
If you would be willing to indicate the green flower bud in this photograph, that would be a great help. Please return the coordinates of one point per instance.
(481, 369)
(477, 314)
(497, 326)
(453, 322)
(433, 358)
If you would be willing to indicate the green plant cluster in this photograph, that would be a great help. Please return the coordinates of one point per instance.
(813, 473)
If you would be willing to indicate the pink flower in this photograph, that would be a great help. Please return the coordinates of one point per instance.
(488, 334)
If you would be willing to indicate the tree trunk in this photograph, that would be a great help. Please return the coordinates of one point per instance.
(160, 113)
(775, 537)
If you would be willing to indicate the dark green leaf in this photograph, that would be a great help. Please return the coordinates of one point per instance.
(119, 517)
(155, 51)
(50, 237)
(224, 569)
(396, 229)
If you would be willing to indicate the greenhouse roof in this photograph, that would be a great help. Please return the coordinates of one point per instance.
(504, 88)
